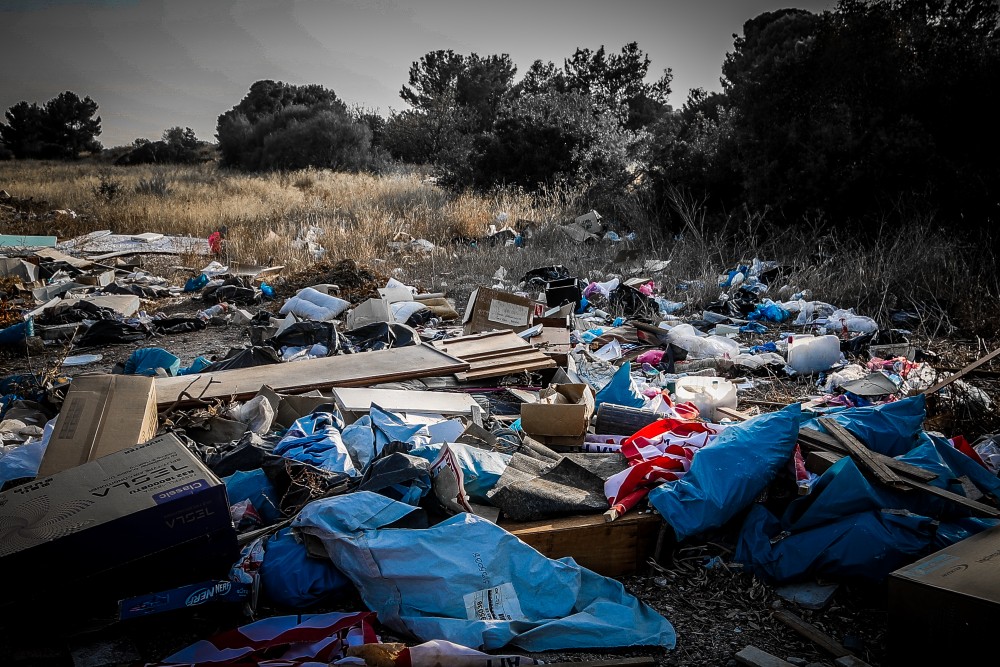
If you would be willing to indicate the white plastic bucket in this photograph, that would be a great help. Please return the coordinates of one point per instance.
(812, 354)
(707, 393)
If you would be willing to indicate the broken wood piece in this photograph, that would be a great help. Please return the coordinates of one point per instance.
(971, 367)
(811, 439)
(812, 633)
(860, 453)
(733, 413)
(755, 657)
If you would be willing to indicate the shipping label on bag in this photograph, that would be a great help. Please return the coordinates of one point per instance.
(498, 603)
(510, 314)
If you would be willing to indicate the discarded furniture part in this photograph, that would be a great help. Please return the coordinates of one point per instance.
(351, 370)
(812, 633)
(950, 599)
(613, 549)
(861, 454)
(354, 402)
(962, 373)
(754, 657)
(100, 415)
(494, 354)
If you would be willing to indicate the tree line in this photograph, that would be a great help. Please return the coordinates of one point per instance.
(878, 107)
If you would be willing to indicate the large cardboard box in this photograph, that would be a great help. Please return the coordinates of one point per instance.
(101, 414)
(146, 518)
(561, 416)
(944, 608)
(489, 309)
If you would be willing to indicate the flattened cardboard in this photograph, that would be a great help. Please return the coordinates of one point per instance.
(561, 416)
(489, 309)
(951, 597)
(101, 414)
(149, 516)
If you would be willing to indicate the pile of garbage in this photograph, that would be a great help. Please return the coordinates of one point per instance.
(373, 442)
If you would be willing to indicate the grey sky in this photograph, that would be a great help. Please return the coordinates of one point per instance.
(154, 64)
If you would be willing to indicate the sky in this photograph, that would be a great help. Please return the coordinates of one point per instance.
(155, 64)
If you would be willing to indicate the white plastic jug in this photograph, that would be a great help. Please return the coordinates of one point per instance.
(811, 354)
(707, 393)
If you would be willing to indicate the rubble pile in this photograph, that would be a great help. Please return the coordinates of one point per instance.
(475, 480)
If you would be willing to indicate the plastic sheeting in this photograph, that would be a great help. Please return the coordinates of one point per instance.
(315, 439)
(147, 360)
(621, 390)
(891, 428)
(847, 528)
(258, 489)
(468, 581)
(729, 473)
(481, 469)
(293, 578)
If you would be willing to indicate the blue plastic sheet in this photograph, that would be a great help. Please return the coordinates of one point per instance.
(728, 474)
(291, 577)
(146, 361)
(21, 461)
(391, 427)
(256, 487)
(891, 428)
(481, 469)
(198, 365)
(621, 390)
(17, 333)
(468, 581)
(315, 439)
(359, 438)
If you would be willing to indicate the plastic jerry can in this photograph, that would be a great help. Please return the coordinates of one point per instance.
(707, 393)
(812, 354)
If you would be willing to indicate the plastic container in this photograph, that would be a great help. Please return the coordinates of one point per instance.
(707, 393)
(812, 354)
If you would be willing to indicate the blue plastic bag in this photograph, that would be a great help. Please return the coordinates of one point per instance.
(621, 390)
(198, 365)
(291, 577)
(315, 439)
(195, 284)
(146, 361)
(729, 473)
(468, 581)
(891, 428)
(481, 469)
(256, 487)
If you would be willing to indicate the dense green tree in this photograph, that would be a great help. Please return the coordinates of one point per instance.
(63, 128)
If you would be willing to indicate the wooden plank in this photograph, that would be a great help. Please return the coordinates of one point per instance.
(860, 453)
(733, 414)
(819, 461)
(499, 371)
(812, 633)
(755, 657)
(613, 548)
(975, 506)
(971, 367)
(349, 370)
(812, 439)
(528, 356)
(358, 399)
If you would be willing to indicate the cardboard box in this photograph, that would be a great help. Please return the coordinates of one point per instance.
(561, 416)
(148, 517)
(101, 415)
(943, 608)
(489, 309)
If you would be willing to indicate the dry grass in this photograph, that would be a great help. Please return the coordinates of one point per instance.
(359, 216)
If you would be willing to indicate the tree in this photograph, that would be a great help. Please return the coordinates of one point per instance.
(63, 128)
(283, 126)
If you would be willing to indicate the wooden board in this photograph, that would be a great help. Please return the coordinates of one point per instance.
(349, 370)
(812, 439)
(755, 657)
(971, 367)
(860, 453)
(494, 354)
(359, 400)
(612, 548)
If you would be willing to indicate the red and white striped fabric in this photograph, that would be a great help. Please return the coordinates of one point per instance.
(316, 639)
(657, 453)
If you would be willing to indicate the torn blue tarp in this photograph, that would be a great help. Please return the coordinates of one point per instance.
(256, 487)
(315, 439)
(891, 428)
(481, 469)
(293, 578)
(847, 528)
(359, 438)
(468, 581)
(729, 473)
(147, 360)
(391, 427)
(621, 390)
(17, 333)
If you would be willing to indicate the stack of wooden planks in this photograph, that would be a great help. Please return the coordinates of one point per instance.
(494, 354)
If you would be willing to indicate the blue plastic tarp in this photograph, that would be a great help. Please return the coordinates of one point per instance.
(315, 439)
(468, 581)
(146, 361)
(256, 487)
(729, 473)
(890, 428)
(291, 577)
(621, 390)
(481, 469)
(391, 427)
